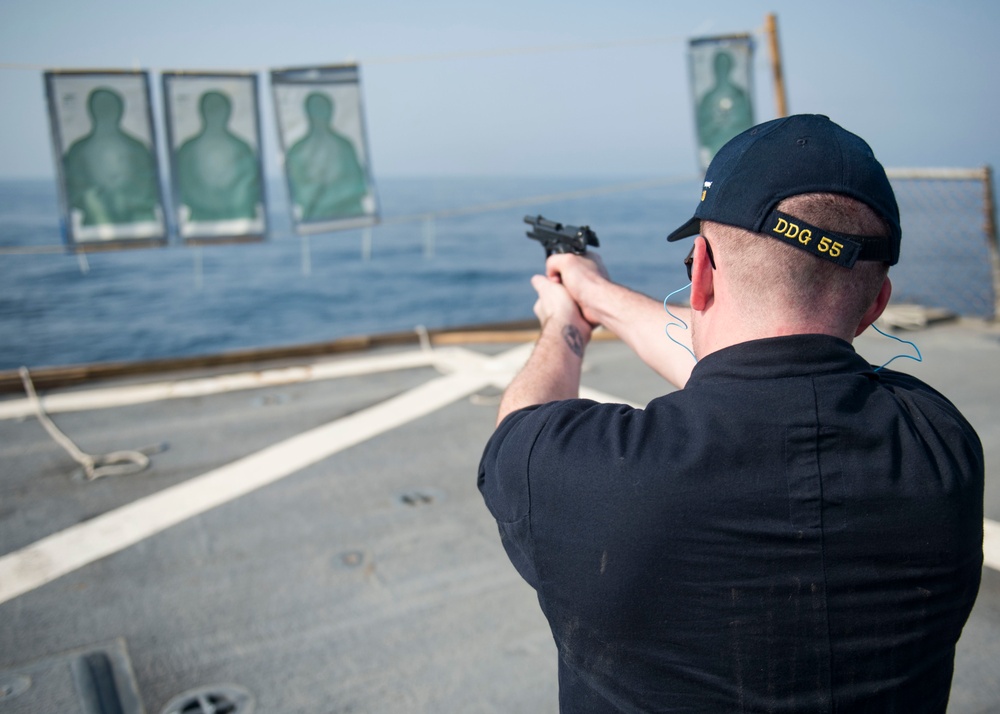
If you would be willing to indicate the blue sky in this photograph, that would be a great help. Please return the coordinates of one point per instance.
(916, 79)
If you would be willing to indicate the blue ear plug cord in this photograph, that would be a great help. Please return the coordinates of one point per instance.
(684, 326)
(680, 323)
(918, 358)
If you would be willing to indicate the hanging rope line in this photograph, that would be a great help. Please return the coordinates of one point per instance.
(445, 213)
(433, 57)
(446, 56)
(541, 199)
(415, 58)
(536, 50)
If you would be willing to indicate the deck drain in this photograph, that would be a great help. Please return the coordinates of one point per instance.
(223, 699)
(13, 685)
(417, 497)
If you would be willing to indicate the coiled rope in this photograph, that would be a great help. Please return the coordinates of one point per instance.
(115, 463)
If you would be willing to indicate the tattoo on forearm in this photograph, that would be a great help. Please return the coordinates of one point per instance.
(574, 340)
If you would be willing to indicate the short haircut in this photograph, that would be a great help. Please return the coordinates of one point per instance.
(772, 278)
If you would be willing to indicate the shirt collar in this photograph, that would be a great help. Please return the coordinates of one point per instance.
(773, 357)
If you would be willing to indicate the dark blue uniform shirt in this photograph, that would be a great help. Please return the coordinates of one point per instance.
(791, 532)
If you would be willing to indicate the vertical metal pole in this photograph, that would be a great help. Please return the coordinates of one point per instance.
(366, 244)
(990, 228)
(306, 256)
(429, 237)
(198, 282)
(779, 77)
(81, 259)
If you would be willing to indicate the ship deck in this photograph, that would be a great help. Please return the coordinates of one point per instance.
(308, 536)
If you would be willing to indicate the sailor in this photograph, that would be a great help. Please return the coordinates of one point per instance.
(793, 529)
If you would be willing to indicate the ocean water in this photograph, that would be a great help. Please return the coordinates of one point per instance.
(59, 309)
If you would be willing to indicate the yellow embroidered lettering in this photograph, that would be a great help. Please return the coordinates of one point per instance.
(835, 249)
(782, 225)
(793, 231)
(805, 236)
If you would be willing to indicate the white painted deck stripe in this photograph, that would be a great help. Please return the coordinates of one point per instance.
(79, 545)
(158, 391)
(598, 396)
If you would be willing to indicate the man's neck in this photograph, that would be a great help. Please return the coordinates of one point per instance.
(715, 331)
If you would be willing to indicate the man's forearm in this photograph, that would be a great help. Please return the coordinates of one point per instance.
(640, 322)
(553, 370)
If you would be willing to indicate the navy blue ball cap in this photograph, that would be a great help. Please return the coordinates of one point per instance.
(805, 153)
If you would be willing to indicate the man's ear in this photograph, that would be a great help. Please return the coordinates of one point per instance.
(702, 278)
(877, 307)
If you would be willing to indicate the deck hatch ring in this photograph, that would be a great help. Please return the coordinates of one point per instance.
(219, 699)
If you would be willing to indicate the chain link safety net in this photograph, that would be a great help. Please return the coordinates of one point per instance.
(948, 254)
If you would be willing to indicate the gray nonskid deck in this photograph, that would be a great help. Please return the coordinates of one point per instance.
(371, 580)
